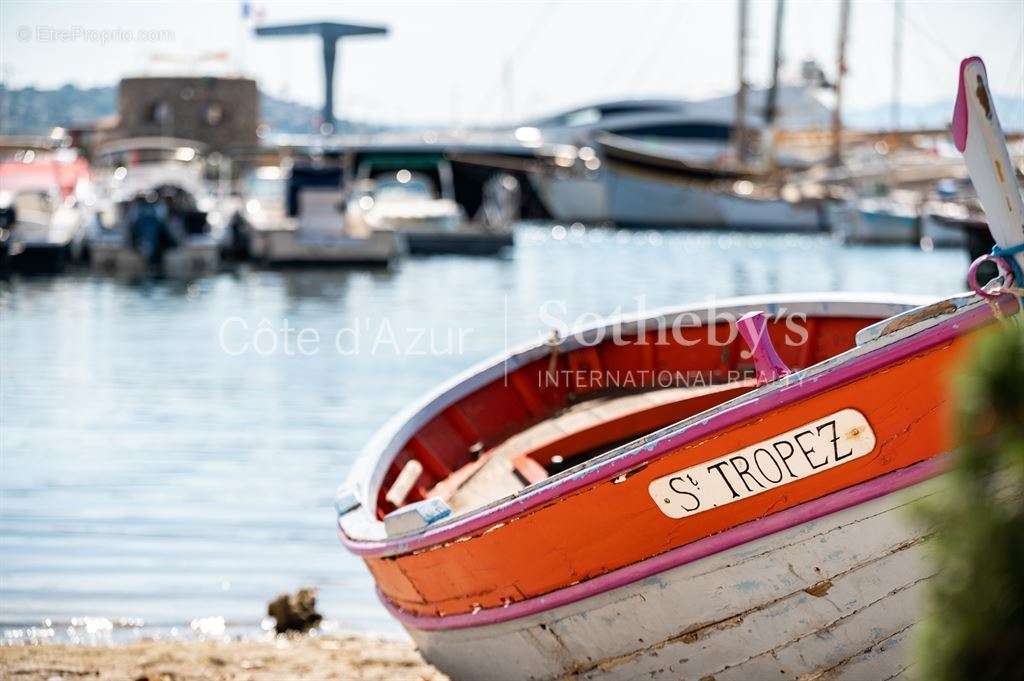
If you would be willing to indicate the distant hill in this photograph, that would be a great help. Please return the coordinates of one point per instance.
(933, 115)
(287, 117)
(33, 111)
(29, 111)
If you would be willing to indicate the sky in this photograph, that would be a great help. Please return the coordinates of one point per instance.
(485, 62)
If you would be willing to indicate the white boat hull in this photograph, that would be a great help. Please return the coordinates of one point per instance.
(572, 197)
(878, 227)
(196, 257)
(841, 593)
(636, 201)
(632, 201)
(292, 247)
(937, 234)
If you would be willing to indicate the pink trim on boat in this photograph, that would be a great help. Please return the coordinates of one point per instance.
(960, 115)
(785, 394)
(753, 327)
(702, 548)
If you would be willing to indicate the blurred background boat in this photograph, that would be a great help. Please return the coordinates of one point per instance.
(299, 219)
(949, 215)
(647, 186)
(41, 195)
(665, 163)
(415, 196)
(154, 211)
(890, 219)
(766, 163)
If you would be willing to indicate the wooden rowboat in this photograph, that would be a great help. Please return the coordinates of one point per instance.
(648, 498)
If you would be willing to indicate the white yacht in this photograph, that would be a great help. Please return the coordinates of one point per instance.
(661, 163)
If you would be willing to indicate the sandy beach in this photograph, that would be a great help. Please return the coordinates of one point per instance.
(324, 658)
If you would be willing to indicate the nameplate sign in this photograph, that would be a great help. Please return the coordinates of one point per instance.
(826, 443)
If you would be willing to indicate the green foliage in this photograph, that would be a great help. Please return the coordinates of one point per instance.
(976, 628)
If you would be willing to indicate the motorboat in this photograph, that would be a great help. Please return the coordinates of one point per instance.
(155, 212)
(894, 218)
(905, 217)
(416, 198)
(41, 194)
(693, 493)
(949, 215)
(296, 217)
(946, 224)
(263, 208)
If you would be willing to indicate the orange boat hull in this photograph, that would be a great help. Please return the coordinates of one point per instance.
(614, 523)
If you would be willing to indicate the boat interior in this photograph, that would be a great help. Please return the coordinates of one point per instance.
(569, 406)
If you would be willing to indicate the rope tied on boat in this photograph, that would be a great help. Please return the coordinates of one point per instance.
(1006, 255)
(1012, 278)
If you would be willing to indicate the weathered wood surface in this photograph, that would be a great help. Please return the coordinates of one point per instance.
(583, 426)
(834, 598)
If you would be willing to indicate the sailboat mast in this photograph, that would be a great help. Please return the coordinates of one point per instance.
(837, 112)
(771, 101)
(741, 94)
(771, 108)
(897, 61)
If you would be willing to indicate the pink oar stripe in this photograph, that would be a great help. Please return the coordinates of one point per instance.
(703, 548)
(960, 115)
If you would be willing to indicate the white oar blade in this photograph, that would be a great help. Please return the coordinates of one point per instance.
(979, 137)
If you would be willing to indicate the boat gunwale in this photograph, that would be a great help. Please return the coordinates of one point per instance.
(838, 369)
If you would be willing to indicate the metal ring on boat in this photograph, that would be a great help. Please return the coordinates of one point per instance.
(972, 275)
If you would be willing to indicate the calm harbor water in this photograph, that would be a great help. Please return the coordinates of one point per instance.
(169, 452)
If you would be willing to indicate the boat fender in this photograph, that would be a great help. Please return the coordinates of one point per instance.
(415, 516)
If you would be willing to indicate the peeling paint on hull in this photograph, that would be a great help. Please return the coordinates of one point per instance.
(755, 611)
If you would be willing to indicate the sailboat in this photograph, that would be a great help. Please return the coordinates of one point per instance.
(687, 494)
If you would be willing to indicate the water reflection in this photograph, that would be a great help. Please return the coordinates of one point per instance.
(150, 475)
(328, 284)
